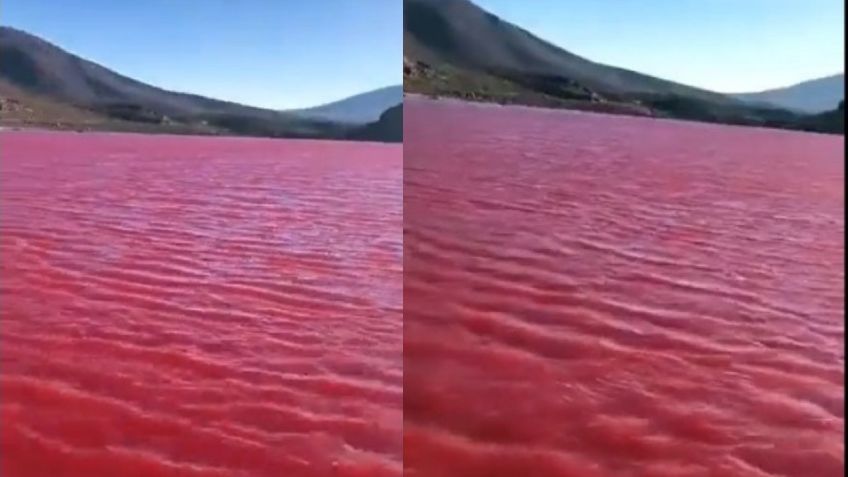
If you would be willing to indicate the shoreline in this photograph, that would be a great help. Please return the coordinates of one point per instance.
(194, 134)
(483, 103)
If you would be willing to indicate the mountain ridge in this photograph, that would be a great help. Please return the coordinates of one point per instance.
(813, 96)
(356, 109)
(492, 44)
(455, 48)
(41, 78)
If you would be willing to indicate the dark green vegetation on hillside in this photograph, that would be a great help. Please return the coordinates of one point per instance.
(830, 121)
(43, 86)
(454, 48)
(388, 128)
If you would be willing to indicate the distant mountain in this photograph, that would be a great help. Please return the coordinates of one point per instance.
(814, 96)
(389, 128)
(42, 80)
(454, 48)
(359, 109)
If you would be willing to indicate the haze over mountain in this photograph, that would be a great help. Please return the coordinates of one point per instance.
(813, 96)
(358, 109)
(455, 48)
(40, 77)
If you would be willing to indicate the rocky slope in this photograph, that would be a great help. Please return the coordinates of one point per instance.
(454, 48)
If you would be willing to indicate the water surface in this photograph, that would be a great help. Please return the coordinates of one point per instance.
(590, 296)
(177, 306)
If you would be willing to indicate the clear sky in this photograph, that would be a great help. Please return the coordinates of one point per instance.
(722, 45)
(269, 53)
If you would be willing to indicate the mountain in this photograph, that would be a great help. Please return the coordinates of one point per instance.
(359, 109)
(832, 121)
(19, 107)
(455, 48)
(460, 33)
(814, 96)
(388, 128)
(44, 85)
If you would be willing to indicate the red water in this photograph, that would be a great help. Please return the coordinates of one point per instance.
(605, 296)
(178, 306)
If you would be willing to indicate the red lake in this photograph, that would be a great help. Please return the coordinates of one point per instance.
(186, 306)
(593, 296)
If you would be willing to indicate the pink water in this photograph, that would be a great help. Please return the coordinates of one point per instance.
(592, 296)
(174, 306)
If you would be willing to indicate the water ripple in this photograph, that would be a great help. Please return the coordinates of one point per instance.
(177, 306)
(602, 296)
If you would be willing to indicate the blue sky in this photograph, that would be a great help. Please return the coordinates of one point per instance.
(722, 45)
(270, 53)
(297, 53)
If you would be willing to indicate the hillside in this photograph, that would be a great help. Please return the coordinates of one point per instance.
(832, 121)
(18, 107)
(454, 48)
(813, 96)
(389, 128)
(359, 109)
(42, 85)
(460, 33)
